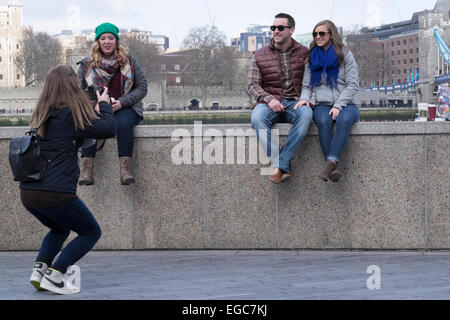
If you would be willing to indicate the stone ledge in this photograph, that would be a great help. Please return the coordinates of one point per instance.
(393, 195)
(360, 128)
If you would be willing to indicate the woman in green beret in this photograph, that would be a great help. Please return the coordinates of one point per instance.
(109, 65)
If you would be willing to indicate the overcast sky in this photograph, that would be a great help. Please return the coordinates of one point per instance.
(174, 18)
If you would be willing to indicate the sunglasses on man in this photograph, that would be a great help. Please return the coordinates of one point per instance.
(320, 33)
(280, 28)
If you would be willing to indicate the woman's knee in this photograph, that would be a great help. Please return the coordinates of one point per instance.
(322, 119)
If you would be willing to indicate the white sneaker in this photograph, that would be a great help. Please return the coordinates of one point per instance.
(39, 270)
(62, 283)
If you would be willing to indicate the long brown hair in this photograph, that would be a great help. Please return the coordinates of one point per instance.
(121, 51)
(336, 40)
(62, 89)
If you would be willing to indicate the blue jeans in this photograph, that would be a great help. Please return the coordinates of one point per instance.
(74, 216)
(263, 118)
(126, 120)
(333, 144)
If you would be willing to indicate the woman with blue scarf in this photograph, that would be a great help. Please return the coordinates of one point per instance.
(331, 74)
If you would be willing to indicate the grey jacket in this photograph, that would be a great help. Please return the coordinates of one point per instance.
(132, 99)
(347, 86)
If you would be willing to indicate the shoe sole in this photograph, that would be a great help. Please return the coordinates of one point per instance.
(52, 288)
(128, 181)
(37, 285)
(335, 177)
(35, 280)
(86, 183)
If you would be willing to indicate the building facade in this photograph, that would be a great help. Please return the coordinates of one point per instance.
(255, 38)
(11, 28)
(387, 54)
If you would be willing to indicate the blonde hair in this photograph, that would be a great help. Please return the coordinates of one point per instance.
(121, 51)
(336, 40)
(62, 89)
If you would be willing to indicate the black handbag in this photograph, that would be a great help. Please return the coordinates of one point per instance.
(25, 156)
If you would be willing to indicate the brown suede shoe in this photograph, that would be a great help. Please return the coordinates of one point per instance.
(126, 176)
(326, 170)
(87, 172)
(335, 175)
(276, 175)
(286, 175)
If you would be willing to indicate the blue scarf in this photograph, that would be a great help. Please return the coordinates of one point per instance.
(324, 61)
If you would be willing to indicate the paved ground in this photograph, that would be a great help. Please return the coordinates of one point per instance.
(241, 275)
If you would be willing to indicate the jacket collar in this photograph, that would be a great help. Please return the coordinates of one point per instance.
(294, 45)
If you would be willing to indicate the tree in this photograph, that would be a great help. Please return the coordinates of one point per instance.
(38, 55)
(371, 55)
(148, 56)
(211, 62)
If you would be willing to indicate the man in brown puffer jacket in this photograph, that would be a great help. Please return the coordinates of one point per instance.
(275, 81)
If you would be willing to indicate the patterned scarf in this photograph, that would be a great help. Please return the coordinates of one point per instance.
(100, 77)
(324, 61)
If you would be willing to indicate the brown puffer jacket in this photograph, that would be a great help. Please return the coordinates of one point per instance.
(268, 62)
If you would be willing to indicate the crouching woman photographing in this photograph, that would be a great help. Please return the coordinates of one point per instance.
(65, 117)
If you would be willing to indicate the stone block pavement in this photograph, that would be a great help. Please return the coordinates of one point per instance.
(242, 275)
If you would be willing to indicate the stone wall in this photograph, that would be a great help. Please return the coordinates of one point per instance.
(394, 193)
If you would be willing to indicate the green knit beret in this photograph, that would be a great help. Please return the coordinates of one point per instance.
(106, 28)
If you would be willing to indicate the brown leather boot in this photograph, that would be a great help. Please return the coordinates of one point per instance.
(87, 172)
(326, 170)
(125, 171)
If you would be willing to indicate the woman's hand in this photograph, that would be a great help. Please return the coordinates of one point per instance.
(334, 112)
(104, 97)
(301, 103)
(116, 105)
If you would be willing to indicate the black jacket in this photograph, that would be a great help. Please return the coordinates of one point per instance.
(62, 174)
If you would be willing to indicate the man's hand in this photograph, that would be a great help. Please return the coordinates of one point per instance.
(334, 112)
(302, 103)
(276, 106)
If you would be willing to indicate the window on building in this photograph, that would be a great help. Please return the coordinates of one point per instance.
(398, 42)
(404, 41)
(1, 77)
(398, 52)
(18, 76)
(411, 41)
(411, 51)
(392, 44)
(417, 60)
(17, 46)
(0, 59)
(404, 51)
(404, 61)
(411, 60)
(404, 71)
(417, 50)
(392, 53)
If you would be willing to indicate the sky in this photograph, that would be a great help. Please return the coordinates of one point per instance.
(174, 18)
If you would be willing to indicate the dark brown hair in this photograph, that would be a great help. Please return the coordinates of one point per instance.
(336, 40)
(291, 21)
